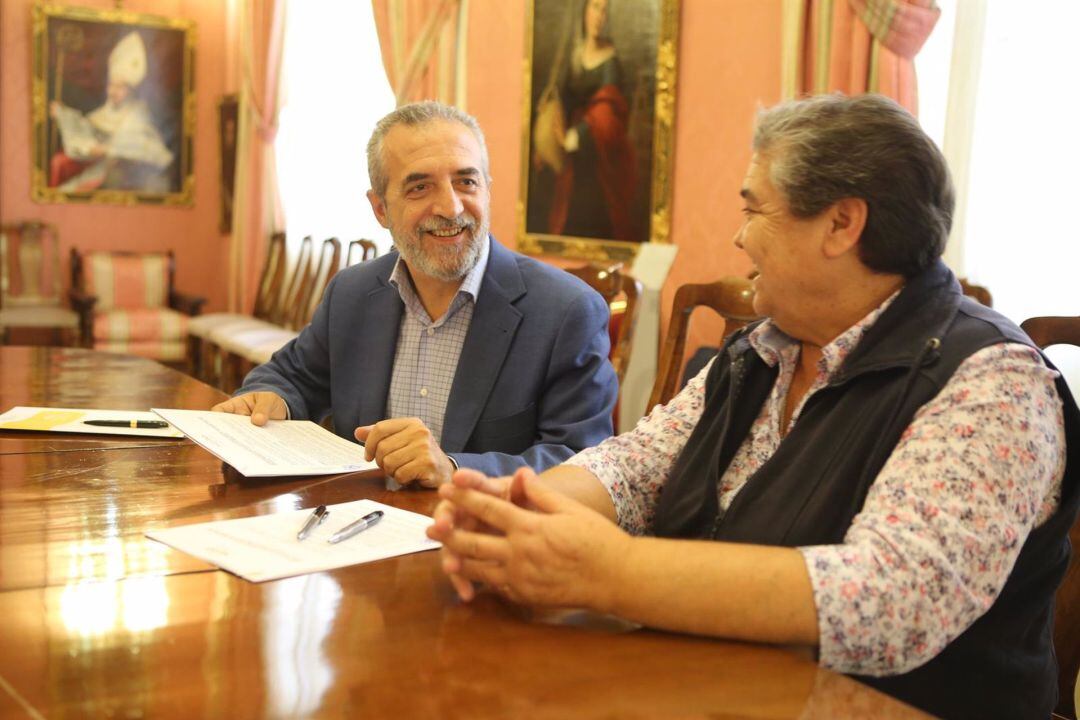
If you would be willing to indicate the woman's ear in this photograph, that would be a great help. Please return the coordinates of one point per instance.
(847, 220)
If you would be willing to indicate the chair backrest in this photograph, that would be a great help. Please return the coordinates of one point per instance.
(360, 251)
(122, 279)
(1047, 331)
(621, 292)
(977, 292)
(322, 268)
(730, 297)
(272, 277)
(288, 296)
(29, 265)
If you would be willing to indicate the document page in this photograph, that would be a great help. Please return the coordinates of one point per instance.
(83, 420)
(279, 448)
(76, 132)
(265, 547)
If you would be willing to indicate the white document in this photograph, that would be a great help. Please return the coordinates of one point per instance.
(73, 420)
(77, 133)
(265, 547)
(279, 448)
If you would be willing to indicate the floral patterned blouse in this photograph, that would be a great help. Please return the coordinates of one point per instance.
(943, 523)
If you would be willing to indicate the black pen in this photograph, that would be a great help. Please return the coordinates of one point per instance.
(138, 424)
(357, 527)
(314, 520)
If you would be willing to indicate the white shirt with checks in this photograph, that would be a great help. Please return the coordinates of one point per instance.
(428, 350)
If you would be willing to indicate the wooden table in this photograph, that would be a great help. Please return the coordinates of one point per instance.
(98, 621)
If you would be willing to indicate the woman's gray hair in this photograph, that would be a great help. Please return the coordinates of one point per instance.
(417, 113)
(829, 147)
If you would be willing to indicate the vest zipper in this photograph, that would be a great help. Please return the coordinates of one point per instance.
(923, 359)
(738, 367)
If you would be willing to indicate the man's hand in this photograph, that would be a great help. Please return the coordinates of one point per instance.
(261, 406)
(406, 451)
(561, 554)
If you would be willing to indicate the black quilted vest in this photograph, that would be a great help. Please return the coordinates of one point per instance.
(808, 492)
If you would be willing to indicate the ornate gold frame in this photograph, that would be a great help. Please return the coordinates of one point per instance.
(40, 126)
(663, 144)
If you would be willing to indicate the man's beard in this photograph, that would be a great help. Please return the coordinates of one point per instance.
(443, 262)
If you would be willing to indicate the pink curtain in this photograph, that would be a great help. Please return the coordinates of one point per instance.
(420, 41)
(857, 46)
(257, 206)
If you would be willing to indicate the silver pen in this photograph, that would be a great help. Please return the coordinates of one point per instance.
(357, 527)
(314, 520)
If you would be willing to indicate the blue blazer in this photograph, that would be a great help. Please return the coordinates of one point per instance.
(533, 383)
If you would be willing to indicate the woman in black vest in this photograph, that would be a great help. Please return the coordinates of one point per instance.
(878, 470)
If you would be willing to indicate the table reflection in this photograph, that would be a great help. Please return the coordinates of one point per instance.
(297, 619)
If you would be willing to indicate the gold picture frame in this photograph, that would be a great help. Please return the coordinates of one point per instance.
(113, 109)
(597, 127)
(228, 138)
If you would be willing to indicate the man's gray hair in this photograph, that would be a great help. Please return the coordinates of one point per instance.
(829, 147)
(417, 113)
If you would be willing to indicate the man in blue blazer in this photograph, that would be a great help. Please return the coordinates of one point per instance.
(452, 351)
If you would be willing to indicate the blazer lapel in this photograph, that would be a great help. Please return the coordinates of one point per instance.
(382, 310)
(494, 323)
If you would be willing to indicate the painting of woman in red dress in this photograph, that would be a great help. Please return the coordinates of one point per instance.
(588, 162)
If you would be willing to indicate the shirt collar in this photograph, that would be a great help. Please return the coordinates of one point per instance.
(770, 342)
(470, 284)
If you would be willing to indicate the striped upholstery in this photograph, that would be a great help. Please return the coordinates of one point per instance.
(204, 326)
(127, 281)
(140, 324)
(158, 333)
(261, 353)
(238, 343)
(227, 335)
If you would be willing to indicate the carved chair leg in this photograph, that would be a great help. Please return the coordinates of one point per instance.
(194, 356)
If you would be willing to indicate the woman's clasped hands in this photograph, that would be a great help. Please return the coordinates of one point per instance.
(526, 541)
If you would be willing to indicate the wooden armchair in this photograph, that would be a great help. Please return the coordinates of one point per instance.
(621, 291)
(1047, 331)
(731, 297)
(127, 303)
(30, 295)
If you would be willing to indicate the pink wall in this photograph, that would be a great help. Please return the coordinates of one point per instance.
(191, 232)
(729, 64)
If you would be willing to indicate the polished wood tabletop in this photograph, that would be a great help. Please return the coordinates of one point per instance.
(77, 378)
(99, 621)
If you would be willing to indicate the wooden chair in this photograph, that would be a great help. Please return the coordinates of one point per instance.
(977, 292)
(290, 291)
(621, 292)
(1047, 331)
(275, 308)
(360, 251)
(321, 270)
(127, 303)
(730, 297)
(267, 299)
(254, 345)
(30, 296)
